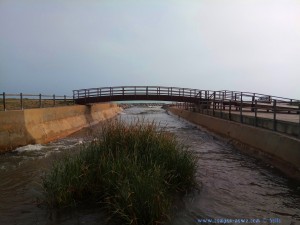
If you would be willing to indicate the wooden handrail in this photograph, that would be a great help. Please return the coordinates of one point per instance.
(28, 101)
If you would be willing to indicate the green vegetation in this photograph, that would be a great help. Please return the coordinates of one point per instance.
(133, 171)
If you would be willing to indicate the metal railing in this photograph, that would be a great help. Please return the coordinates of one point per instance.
(28, 101)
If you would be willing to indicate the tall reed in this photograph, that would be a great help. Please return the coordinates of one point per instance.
(133, 171)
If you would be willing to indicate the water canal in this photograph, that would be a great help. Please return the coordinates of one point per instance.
(233, 185)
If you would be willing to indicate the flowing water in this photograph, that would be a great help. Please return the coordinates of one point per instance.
(232, 185)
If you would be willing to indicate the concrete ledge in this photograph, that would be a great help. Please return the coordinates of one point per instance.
(283, 151)
(32, 126)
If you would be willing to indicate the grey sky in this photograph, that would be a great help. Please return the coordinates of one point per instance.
(53, 46)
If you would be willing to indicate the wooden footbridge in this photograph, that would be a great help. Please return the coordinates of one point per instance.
(205, 98)
(134, 93)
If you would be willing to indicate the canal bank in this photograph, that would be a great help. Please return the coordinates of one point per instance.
(36, 126)
(280, 150)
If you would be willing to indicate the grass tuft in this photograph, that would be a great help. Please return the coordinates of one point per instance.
(133, 171)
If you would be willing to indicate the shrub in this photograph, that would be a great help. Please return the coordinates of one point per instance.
(131, 170)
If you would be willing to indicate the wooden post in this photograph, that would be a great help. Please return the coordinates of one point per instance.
(4, 102)
(229, 109)
(253, 99)
(255, 112)
(21, 100)
(235, 101)
(221, 110)
(110, 93)
(40, 100)
(241, 108)
(214, 104)
(53, 100)
(274, 115)
(207, 102)
(224, 97)
(299, 120)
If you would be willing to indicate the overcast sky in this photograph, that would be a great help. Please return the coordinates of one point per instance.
(55, 46)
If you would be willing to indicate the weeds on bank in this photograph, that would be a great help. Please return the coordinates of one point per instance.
(132, 170)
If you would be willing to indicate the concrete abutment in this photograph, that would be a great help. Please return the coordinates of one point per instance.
(36, 126)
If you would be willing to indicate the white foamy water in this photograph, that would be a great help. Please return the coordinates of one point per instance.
(25, 148)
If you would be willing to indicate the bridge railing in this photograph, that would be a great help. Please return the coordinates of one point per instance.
(251, 96)
(253, 102)
(141, 90)
(22, 101)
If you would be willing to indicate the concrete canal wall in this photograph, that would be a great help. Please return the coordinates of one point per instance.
(280, 150)
(32, 126)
